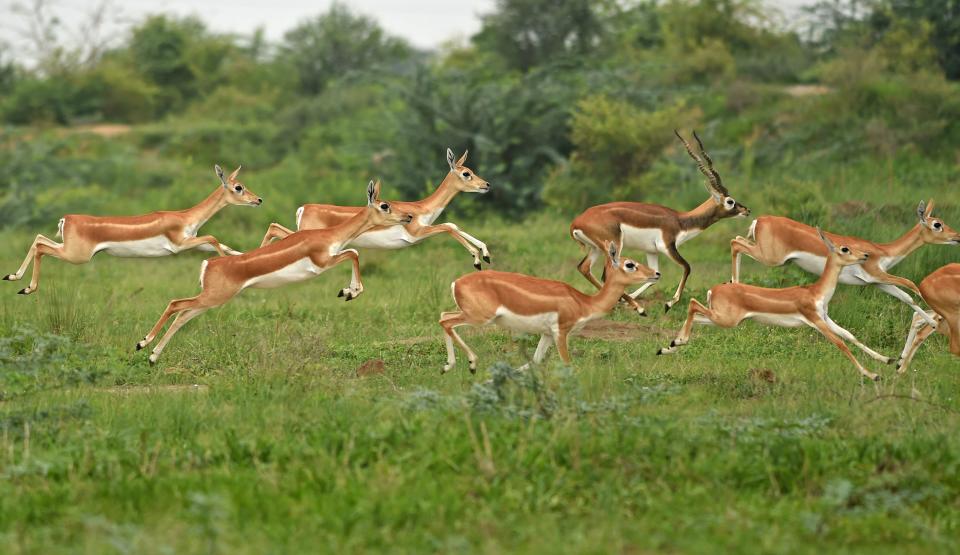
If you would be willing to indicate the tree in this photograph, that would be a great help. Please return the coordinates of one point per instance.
(160, 53)
(528, 33)
(336, 43)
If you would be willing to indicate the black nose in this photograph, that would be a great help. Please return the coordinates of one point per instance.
(657, 274)
(866, 255)
(259, 201)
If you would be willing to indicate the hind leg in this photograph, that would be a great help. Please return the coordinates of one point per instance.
(843, 333)
(915, 326)
(740, 246)
(41, 246)
(182, 319)
(918, 337)
(58, 251)
(696, 313)
(449, 321)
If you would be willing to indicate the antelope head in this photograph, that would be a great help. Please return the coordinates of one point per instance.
(934, 230)
(467, 181)
(847, 256)
(727, 206)
(380, 212)
(236, 192)
(625, 270)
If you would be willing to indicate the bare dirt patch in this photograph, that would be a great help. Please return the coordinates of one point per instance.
(107, 130)
(807, 90)
(610, 330)
(371, 368)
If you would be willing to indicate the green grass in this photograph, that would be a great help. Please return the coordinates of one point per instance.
(283, 449)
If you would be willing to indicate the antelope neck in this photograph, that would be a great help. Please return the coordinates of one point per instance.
(209, 206)
(700, 217)
(824, 287)
(441, 197)
(905, 244)
(608, 295)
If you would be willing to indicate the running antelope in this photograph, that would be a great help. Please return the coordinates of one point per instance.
(298, 257)
(524, 303)
(459, 179)
(941, 290)
(149, 235)
(652, 228)
(731, 303)
(777, 240)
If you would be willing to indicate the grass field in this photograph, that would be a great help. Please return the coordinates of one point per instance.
(254, 433)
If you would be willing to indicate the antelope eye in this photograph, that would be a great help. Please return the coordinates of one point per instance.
(384, 207)
(465, 174)
(937, 225)
(844, 250)
(238, 188)
(730, 202)
(630, 265)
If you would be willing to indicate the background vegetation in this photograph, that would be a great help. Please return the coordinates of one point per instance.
(760, 439)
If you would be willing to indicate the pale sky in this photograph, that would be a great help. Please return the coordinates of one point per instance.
(425, 23)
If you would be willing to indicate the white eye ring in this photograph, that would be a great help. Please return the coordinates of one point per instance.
(937, 225)
(730, 202)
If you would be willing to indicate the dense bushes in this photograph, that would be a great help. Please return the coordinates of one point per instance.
(571, 108)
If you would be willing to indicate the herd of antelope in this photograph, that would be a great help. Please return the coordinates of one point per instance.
(523, 303)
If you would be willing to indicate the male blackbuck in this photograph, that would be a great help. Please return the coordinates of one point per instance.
(149, 235)
(652, 228)
(459, 179)
(731, 303)
(528, 304)
(777, 240)
(941, 290)
(297, 257)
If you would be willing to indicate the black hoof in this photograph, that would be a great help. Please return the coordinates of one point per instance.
(643, 313)
(486, 259)
(152, 362)
(7, 277)
(473, 369)
(893, 361)
(659, 352)
(877, 379)
(673, 343)
(139, 346)
(23, 291)
(350, 297)
(666, 308)
(899, 365)
(340, 293)
(476, 265)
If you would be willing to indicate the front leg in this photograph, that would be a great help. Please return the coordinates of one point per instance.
(356, 285)
(484, 252)
(674, 254)
(275, 231)
(193, 242)
(883, 277)
(850, 337)
(422, 232)
(903, 297)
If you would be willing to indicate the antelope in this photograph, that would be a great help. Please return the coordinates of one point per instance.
(731, 303)
(459, 179)
(155, 234)
(940, 290)
(297, 257)
(524, 303)
(652, 228)
(777, 240)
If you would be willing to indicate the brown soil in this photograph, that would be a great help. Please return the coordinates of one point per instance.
(610, 330)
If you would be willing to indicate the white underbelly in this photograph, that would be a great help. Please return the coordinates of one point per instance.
(153, 246)
(644, 239)
(393, 237)
(781, 320)
(849, 275)
(300, 270)
(537, 323)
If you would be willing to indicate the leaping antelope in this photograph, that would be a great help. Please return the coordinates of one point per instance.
(778, 240)
(298, 257)
(731, 303)
(941, 290)
(652, 228)
(524, 303)
(149, 235)
(459, 179)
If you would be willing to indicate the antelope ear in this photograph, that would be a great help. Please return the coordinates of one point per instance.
(462, 159)
(614, 253)
(373, 190)
(233, 176)
(714, 194)
(922, 212)
(826, 241)
(219, 170)
(450, 161)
